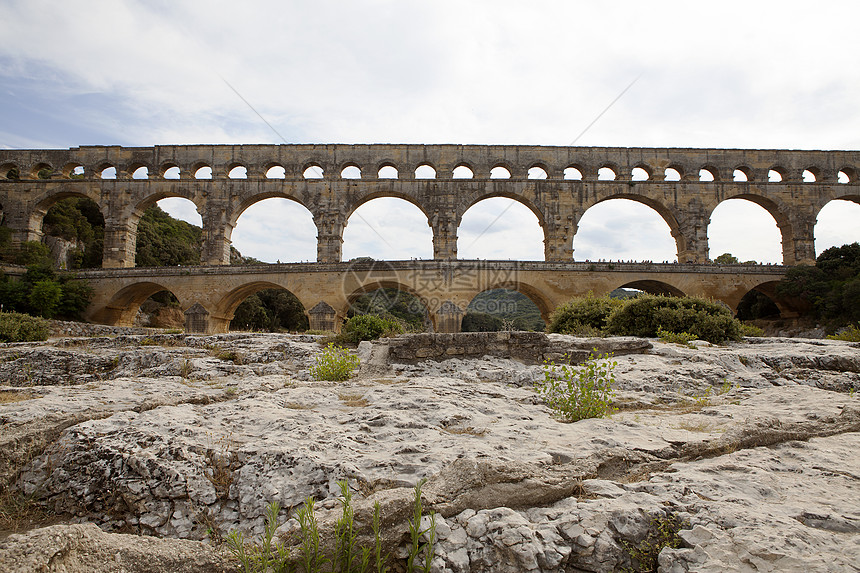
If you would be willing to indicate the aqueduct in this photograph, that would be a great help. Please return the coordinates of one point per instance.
(683, 185)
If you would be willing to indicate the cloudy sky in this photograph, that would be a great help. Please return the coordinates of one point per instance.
(764, 74)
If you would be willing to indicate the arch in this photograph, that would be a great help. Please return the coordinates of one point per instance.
(672, 174)
(537, 172)
(181, 208)
(387, 171)
(573, 172)
(350, 171)
(510, 304)
(107, 172)
(756, 303)
(405, 305)
(139, 172)
(313, 170)
(226, 306)
(73, 170)
(811, 175)
(272, 309)
(750, 227)
(283, 230)
(775, 174)
(500, 172)
(124, 304)
(425, 171)
(276, 171)
(741, 174)
(836, 223)
(640, 174)
(73, 229)
(9, 170)
(654, 287)
(709, 173)
(237, 171)
(170, 172)
(847, 175)
(374, 284)
(617, 228)
(463, 171)
(41, 171)
(406, 233)
(607, 173)
(47, 201)
(503, 228)
(202, 171)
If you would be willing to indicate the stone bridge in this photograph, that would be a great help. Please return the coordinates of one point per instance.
(558, 184)
(209, 295)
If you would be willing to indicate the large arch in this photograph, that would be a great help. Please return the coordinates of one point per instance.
(653, 287)
(284, 230)
(544, 303)
(837, 223)
(387, 227)
(497, 302)
(745, 229)
(501, 227)
(779, 216)
(626, 228)
(124, 304)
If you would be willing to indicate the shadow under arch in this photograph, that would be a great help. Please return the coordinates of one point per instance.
(48, 200)
(384, 284)
(788, 307)
(662, 210)
(498, 303)
(225, 308)
(123, 306)
(776, 211)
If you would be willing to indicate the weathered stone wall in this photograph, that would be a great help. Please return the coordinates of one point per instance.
(65, 328)
(529, 347)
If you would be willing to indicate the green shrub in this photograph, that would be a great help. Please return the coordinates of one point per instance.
(16, 327)
(751, 330)
(587, 315)
(850, 334)
(579, 392)
(265, 556)
(369, 327)
(662, 533)
(645, 315)
(676, 337)
(334, 363)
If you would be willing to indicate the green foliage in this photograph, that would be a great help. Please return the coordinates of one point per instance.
(369, 327)
(262, 557)
(78, 219)
(663, 533)
(850, 334)
(727, 259)
(579, 392)
(17, 327)
(41, 292)
(28, 254)
(684, 338)
(584, 315)
(334, 363)
(644, 315)
(271, 310)
(312, 554)
(165, 241)
(422, 540)
(751, 330)
(831, 288)
(393, 303)
(348, 557)
(510, 307)
(44, 297)
(474, 321)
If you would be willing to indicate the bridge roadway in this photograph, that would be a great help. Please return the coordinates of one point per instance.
(209, 295)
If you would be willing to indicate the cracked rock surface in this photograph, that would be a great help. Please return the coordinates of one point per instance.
(754, 448)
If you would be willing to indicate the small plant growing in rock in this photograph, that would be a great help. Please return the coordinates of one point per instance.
(662, 533)
(334, 363)
(416, 534)
(579, 392)
(264, 556)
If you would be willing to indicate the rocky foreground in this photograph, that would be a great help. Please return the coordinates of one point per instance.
(753, 449)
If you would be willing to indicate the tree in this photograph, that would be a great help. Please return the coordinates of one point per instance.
(727, 259)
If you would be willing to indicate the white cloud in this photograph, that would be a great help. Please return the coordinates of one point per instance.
(742, 74)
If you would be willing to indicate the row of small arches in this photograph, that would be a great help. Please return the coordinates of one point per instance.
(461, 171)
